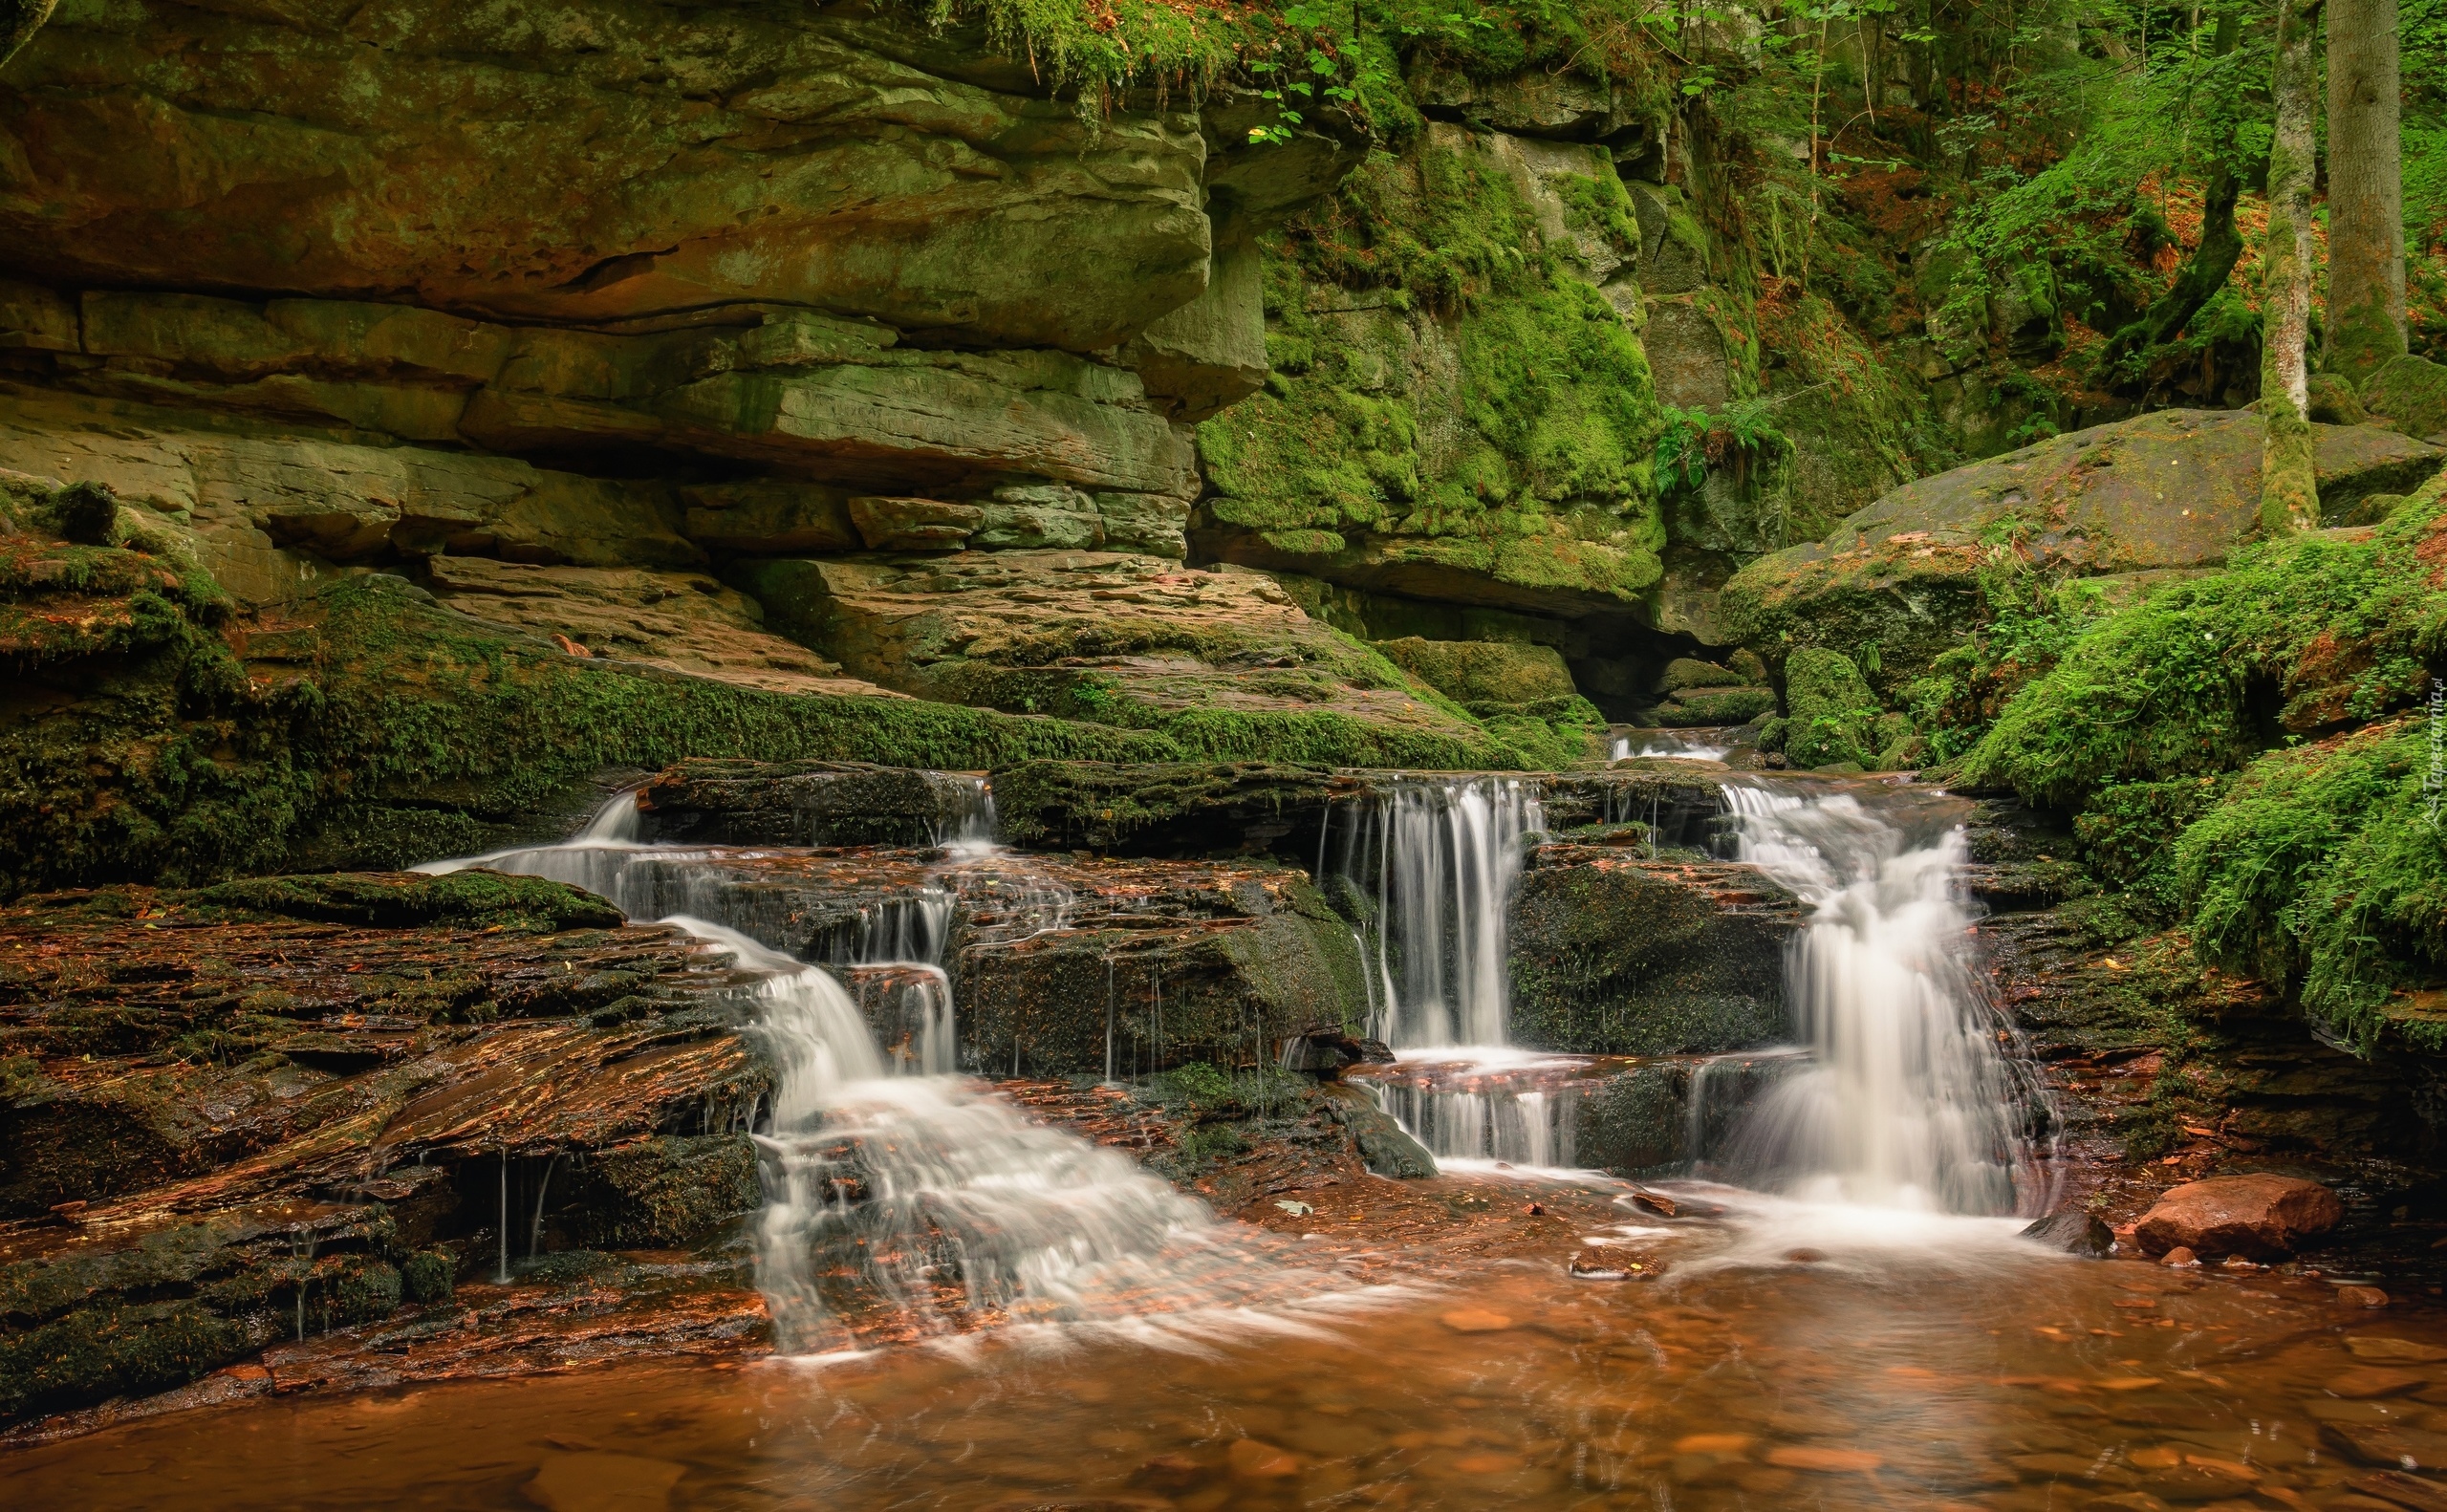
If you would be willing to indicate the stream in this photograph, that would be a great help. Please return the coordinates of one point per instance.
(1832, 1307)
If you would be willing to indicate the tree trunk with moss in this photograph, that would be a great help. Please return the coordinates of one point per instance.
(19, 19)
(2290, 498)
(2366, 190)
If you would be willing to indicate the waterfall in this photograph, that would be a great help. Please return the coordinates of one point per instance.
(1908, 1100)
(1438, 859)
(1664, 743)
(923, 1197)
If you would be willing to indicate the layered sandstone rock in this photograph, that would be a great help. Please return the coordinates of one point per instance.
(547, 312)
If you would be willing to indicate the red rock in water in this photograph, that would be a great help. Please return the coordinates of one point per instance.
(2178, 1256)
(2259, 1216)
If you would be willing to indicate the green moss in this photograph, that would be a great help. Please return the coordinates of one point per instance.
(1831, 714)
(2328, 629)
(475, 899)
(2128, 834)
(100, 1352)
(1548, 484)
(428, 1276)
(668, 1192)
(1715, 706)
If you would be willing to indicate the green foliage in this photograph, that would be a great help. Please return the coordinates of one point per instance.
(2200, 677)
(2325, 864)
(2128, 834)
(2032, 618)
(1690, 442)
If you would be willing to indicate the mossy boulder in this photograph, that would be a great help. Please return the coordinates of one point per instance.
(2408, 393)
(2175, 489)
(1689, 672)
(1617, 955)
(1475, 672)
(668, 1192)
(1168, 808)
(1831, 714)
(1689, 707)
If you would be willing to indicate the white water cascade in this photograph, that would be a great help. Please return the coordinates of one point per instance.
(919, 1197)
(1438, 859)
(1907, 1101)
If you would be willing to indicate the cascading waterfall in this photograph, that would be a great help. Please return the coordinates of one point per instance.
(1439, 858)
(1908, 1100)
(1664, 743)
(921, 1197)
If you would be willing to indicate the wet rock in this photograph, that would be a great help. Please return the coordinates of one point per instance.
(2262, 1216)
(289, 1102)
(1613, 1262)
(1616, 955)
(2074, 1231)
(1322, 1051)
(814, 803)
(2361, 1296)
(2402, 1490)
(2367, 1381)
(1383, 1144)
(1054, 961)
(2380, 1348)
(1168, 808)
(2178, 1257)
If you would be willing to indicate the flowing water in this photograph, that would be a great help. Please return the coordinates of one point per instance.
(1689, 745)
(1436, 861)
(920, 1198)
(1847, 1328)
(1914, 1363)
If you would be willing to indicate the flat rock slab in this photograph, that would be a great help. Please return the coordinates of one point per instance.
(1114, 637)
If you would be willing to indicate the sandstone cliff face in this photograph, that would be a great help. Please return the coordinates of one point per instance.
(566, 313)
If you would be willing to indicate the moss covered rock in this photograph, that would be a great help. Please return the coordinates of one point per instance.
(1614, 955)
(2175, 489)
(1474, 672)
(2411, 393)
(1831, 714)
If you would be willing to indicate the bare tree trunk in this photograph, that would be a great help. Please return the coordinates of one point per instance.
(19, 19)
(2290, 497)
(2366, 190)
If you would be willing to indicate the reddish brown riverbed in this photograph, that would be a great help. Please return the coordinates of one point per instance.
(1789, 1358)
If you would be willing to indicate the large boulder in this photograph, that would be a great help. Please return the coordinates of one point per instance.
(2259, 1216)
(2176, 489)
(2411, 393)
(1613, 954)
